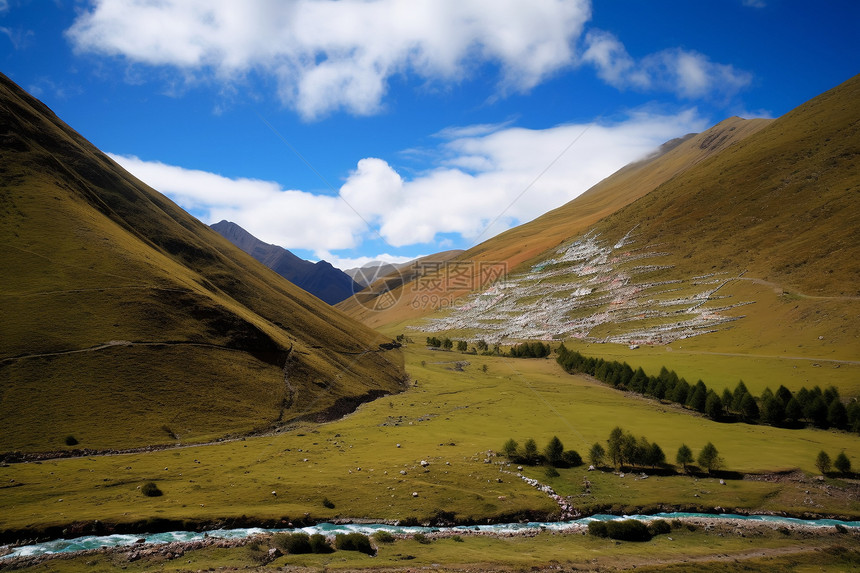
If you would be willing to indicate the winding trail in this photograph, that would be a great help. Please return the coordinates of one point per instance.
(775, 356)
(779, 289)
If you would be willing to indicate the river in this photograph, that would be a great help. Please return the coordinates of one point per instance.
(97, 541)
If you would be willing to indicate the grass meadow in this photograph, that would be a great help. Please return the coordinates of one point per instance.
(368, 464)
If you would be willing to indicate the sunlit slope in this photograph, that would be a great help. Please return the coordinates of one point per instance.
(127, 322)
(784, 204)
(752, 251)
(524, 243)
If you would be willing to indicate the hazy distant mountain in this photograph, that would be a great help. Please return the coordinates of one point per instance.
(321, 279)
(370, 272)
(126, 321)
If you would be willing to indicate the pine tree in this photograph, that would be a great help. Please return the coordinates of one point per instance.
(822, 462)
(842, 463)
(684, 457)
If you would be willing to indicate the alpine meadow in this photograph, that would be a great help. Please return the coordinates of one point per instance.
(661, 373)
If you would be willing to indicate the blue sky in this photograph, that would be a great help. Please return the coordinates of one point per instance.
(358, 130)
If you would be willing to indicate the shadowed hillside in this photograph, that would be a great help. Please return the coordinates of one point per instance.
(128, 322)
(321, 279)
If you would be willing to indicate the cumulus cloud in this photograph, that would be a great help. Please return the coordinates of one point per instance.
(686, 73)
(329, 55)
(482, 177)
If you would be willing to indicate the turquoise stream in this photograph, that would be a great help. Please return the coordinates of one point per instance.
(96, 542)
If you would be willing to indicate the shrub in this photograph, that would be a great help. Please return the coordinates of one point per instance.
(257, 552)
(597, 528)
(149, 489)
(551, 472)
(353, 542)
(383, 536)
(459, 539)
(71, 440)
(628, 530)
(292, 543)
(328, 503)
(571, 458)
(421, 538)
(659, 527)
(319, 544)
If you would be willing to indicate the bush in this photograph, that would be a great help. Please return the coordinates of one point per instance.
(71, 440)
(292, 543)
(571, 458)
(421, 538)
(597, 528)
(383, 536)
(659, 527)
(328, 503)
(149, 489)
(319, 544)
(459, 539)
(353, 542)
(551, 472)
(257, 552)
(627, 530)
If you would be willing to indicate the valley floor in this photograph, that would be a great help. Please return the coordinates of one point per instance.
(428, 454)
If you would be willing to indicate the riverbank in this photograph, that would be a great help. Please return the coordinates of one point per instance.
(123, 550)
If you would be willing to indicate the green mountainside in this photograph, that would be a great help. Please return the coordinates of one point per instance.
(746, 233)
(127, 322)
(517, 247)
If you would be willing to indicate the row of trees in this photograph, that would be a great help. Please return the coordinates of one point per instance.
(553, 453)
(623, 449)
(524, 350)
(822, 409)
(481, 347)
(841, 463)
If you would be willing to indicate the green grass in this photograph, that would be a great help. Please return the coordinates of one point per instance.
(92, 256)
(450, 419)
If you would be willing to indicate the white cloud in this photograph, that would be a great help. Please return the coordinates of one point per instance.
(290, 218)
(688, 74)
(345, 263)
(513, 175)
(330, 55)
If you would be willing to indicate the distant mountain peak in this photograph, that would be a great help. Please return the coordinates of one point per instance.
(321, 279)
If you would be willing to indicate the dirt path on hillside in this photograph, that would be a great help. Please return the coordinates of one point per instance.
(779, 289)
(114, 344)
(777, 356)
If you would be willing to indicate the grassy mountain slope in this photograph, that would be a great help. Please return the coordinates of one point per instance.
(128, 322)
(765, 230)
(517, 246)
